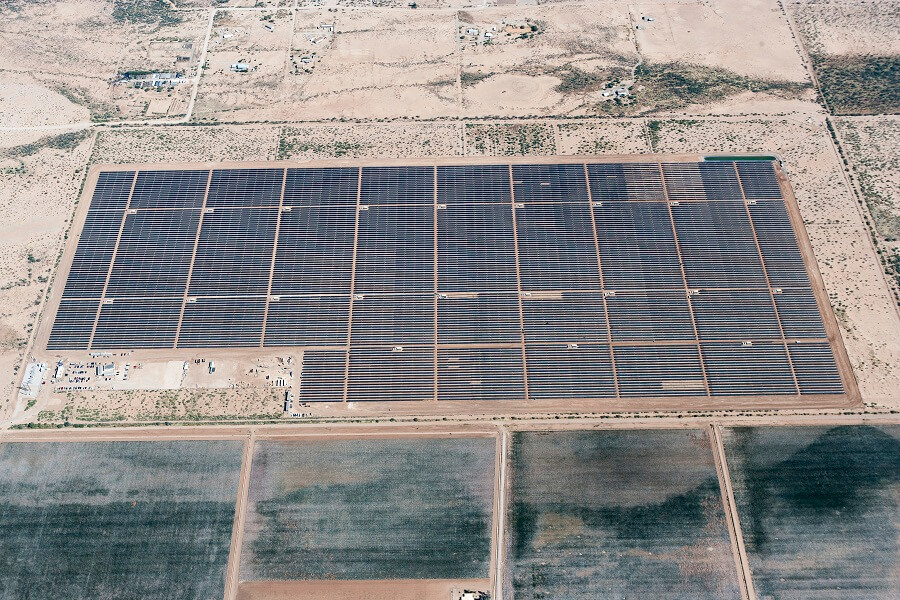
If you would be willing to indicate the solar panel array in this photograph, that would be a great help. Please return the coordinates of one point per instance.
(476, 282)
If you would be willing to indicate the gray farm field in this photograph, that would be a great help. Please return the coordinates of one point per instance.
(617, 514)
(819, 509)
(116, 520)
(370, 509)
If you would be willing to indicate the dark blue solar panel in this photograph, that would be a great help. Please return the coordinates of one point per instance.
(169, 189)
(112, 190)
(476, 249)
(556, 247)
(473, 184)
(479, 318)
(569, 317)
(397, 185)
(717, 245)
(737, 370)
(625, 181)
(759, 180)
(222, 323)
(637, 246)
(720, 181)
(315, 251)
(702, 181)
(234, 254)
(799, 313)
(386, 375)
(73, 324)
(154, 254)
(683, 181)
(738, 315)
(816, 370)
(321, 187)
(659, 371)
(395, 250)
(96, 245)
(393, 293)
(563, 372)
(322, 375)
(138, 323)
(308, 321)
(649, 316)
(393, 320)
(550, 183)
(481, 374)
(245, 187)
(778, 244)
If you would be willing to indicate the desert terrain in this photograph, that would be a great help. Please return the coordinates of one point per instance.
(813, 82)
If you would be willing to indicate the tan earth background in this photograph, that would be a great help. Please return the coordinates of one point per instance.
(813, 81)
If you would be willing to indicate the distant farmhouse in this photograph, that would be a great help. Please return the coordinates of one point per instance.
(147, 79)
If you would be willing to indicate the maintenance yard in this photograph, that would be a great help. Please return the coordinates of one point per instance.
(667, 282)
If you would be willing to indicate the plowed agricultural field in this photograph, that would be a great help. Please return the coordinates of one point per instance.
(617, 514)
(819, 509)
(116, 520)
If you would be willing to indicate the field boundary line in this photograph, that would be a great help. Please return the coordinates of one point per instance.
(609, 340)
(232, 572)
(201, 64)
(500, 516)
(346, 390)
(262, 335)
(515, 233)
(745, 577)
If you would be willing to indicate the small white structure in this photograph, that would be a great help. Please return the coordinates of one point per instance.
(472, 31)
(647, 19)
(240, 67)
(32, 380)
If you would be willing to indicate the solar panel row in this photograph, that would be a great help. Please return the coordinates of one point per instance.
(478, 259)
(557, 372)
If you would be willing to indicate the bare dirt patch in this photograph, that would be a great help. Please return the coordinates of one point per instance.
(182, 144)
(394, 589)
(38, 191)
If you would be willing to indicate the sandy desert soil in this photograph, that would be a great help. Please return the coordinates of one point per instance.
(871, 145)
(76, 50)
(394, 589)
(854, 51)
(39, 184)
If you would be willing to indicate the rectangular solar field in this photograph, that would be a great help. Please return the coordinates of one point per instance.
(559, 280)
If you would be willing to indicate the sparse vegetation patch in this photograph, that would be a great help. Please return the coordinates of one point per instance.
(667, 86)
(859, 85)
